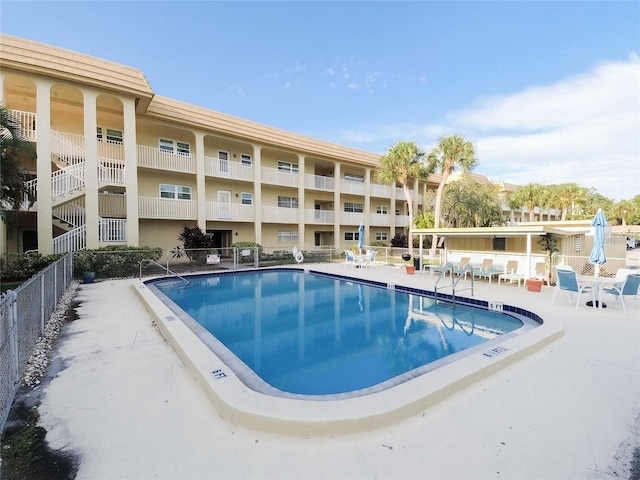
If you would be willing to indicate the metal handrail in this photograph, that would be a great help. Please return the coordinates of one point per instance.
(451, 267)
(148, 260)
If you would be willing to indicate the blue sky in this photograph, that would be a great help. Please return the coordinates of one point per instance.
(547, 91)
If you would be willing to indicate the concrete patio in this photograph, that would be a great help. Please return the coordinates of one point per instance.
(122, 400)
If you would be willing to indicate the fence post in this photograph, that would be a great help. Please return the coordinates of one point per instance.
(256, 259)
(13, 334)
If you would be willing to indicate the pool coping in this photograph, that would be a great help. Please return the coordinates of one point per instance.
(240, 405)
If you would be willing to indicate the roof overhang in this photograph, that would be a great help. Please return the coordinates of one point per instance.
(523, 230)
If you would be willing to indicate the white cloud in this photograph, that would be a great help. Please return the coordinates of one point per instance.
(585, 129)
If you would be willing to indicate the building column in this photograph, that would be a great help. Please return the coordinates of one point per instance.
(201, 193)
(392, 224)
(131, 172)
(3, 228)
(91, 169)
(43, 169)
(336, 208)
(367, 206)
(257, 193)
(301, 203)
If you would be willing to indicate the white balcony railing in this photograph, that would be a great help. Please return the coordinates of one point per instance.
(319, 216)
(351, 218)
(111, 173)
(280, 215)
(318, 182)
(380, 219)
(230, 211)
(67, 180)
(27, 122)
(402, 220)
(71, 241)
(155, 158)
(154, 207)
(72, 213)
(354, 188)
(218, 167)
(113, 230)
(276, 177)
(112, 204)
(68, 147)
(382, 191)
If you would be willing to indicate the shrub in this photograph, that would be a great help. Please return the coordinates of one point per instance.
(113, 261)
(20, 266)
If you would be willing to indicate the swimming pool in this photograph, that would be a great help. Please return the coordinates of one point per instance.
(296, 333)
(260, 406)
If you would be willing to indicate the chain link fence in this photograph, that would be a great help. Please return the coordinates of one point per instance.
(23, 315)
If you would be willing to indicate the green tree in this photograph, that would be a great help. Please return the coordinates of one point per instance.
(402, 163)
(567, 197)
(467, 203)
(452, 152)
(14, 150)
(530, 196)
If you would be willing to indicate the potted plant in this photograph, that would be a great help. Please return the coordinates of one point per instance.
(549, 246)
(534, 284)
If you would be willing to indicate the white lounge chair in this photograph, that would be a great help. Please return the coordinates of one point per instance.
(511, 273)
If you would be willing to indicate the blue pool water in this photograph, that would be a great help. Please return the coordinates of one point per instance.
(311, 334)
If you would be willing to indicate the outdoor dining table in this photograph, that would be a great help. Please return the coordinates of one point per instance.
(597, 291)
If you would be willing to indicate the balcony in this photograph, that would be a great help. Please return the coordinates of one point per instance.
(221, 168)
(402, 220)
(280, 215)
(274, 176)
(153, 157)
(351, 218)
(318, 182)
(380, 220)
(382, 191)
(168, 208)
(112, 205)
(324, 217)
(230, 211)
(354, 188)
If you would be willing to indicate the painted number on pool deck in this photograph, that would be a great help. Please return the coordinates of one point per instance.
(495, 352)
(218, 374)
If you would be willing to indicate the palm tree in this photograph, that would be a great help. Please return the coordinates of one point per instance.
(402, 163)
(14, 149)
(452, 152)
(530, 196)
(565, 196)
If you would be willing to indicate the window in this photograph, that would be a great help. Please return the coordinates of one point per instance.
(112, 135)
(287, 167)
(287, 202)
(175, 191)
(397, 211)
(351, 236)
(381, 209)
(246, 160)
(353, 207)
(381, 236)
(353, 178)
(247, 198)
(171, 146)
(286, 236)
(499, 244)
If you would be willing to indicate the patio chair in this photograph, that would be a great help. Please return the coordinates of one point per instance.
(627, 289)
(349, 259)
(487, 270)
(568, 281)
(511, 273)
(370, 258)
(541, 273)
(464, 261)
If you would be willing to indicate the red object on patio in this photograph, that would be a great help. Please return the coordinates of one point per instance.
(534, 284)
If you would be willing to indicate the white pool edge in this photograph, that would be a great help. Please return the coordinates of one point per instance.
(239, 405)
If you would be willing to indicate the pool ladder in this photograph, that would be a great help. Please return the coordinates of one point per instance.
(148, 260)
(454, 283)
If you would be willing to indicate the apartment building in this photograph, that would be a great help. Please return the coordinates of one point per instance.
(118, 164)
